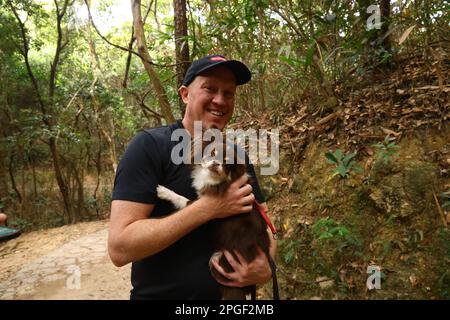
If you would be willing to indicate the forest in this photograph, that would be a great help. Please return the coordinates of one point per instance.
(357, 89)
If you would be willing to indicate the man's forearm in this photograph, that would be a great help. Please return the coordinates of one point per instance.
(147, 237)
(273, 244)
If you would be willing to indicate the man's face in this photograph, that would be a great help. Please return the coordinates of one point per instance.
(210, 98)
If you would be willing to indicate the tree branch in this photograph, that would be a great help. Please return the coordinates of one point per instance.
(24, 53)
(119, 46)
(297, 30)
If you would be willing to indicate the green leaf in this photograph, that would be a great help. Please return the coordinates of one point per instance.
(331, 157)
(445, 195)
(348, 157)
(325, 235)
(342, 171)
(338, 154)
(289, 256)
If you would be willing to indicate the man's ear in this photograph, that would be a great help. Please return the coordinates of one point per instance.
(184, 93)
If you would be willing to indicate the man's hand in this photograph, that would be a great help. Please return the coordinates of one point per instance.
(245, 274)
(237, 199)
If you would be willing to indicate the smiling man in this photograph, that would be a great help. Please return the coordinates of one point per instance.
(169, 249)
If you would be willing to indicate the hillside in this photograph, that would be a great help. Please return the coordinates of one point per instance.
(384, 209)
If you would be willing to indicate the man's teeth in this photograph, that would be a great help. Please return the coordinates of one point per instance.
(216, 113)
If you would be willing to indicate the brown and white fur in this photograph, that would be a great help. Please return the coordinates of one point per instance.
(242, 232)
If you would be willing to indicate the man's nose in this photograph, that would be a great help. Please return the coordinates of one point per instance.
(219, 99)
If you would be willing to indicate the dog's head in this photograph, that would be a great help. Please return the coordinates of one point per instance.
(219, 163)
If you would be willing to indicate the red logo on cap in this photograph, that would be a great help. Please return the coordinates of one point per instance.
(217, 59)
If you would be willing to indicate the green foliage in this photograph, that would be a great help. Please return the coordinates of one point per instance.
(337, 237)
(19, 223)
(344, 163)
(290, 249)
(445, 196)
(323, 201)
(386, 149)
(443, 281)
(326, 228)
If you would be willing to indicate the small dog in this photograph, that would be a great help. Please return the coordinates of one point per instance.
(241, 233)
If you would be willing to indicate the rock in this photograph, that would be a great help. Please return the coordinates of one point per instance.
(54, 277)
(407, 192)
(390, 197)
(325, 282)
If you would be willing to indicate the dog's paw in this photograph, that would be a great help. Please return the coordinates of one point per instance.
(216, 256)
(164, 193)
(178, 201)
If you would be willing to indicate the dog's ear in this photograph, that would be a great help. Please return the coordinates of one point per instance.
(235, 169)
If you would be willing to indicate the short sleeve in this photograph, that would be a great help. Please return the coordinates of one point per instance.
(139, 170)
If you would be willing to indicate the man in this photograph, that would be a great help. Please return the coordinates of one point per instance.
(5, 232)
(170, 250)
(3, 218)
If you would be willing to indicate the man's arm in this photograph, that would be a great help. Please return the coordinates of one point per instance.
(132, 236)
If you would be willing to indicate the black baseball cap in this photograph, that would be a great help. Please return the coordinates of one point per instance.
(240, 70)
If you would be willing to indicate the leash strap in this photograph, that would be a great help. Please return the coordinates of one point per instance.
(266, 218)
(273, 267)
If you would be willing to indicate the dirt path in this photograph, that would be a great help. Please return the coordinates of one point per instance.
(70, 262)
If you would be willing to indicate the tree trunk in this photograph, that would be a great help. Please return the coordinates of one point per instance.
(62, 184)
(98, 166)
(11, 176)
(97, 72)
(4, 190)
(46, 116)
(24, 203)
(33, 169)
(262, 98)
(143, 51)
(181, 46)
(385, 8)
(79, 175)
(128, 63)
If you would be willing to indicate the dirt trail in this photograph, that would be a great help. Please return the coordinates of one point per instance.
(69, 262)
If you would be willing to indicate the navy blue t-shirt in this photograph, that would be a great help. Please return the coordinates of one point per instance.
(180, 271)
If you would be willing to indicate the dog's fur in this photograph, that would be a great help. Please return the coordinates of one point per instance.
(241, 232)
